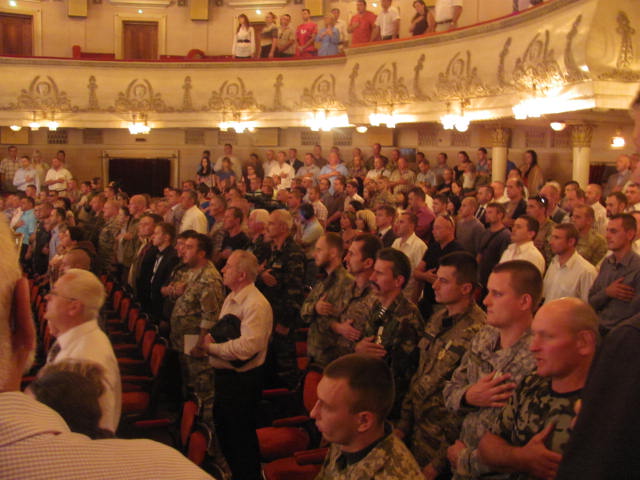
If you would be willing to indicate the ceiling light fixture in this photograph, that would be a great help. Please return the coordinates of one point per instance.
(325, 120)
(361, 129)
(15, 128)
(618, 141)
(558, 126)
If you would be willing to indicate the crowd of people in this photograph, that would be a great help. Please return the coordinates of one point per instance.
(279, 39)
(456, 316)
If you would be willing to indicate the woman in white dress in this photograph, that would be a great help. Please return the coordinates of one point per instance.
(244, 41)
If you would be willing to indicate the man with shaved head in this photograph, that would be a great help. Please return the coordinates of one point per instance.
(533, 428)
(617, 181)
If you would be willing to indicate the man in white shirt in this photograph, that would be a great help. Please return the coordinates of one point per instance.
(193, 218)
(283, 170)
(352, 193)
(593, 195)
(26, 175)
(57, 177)
(238, 365)
(447, 14)
(412, 246)
(73, 306)
(523, 232)
(36, 443)
(569, 274)
(387, 24)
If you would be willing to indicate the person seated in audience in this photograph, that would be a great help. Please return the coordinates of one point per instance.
(568, 274)
(469, 229)
(73, 389)
(425, 423)
(617, 180)
(591, 245)
(73, 306)
(615, 294)
(34, 425)
(532, 430)
(355, 396)
(517, 205)
(616, 203)
(522, 247)
(413, 247)
(395, 326)
(328, 298)
(551, 191)
(478, 387)
(537, 208)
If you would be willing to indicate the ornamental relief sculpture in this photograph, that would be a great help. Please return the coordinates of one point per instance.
(386, 87)
(140, 97)
(537, 68)
(42, 95)
(232, 97)
(460, 80)
(625, 60)
(321, 94)
(573, 74)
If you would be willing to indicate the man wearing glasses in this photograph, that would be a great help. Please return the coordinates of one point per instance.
(73, 306)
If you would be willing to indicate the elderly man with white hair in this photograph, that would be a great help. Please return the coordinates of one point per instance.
(73, 306)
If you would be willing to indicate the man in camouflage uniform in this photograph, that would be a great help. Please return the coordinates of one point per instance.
(199, 298)
(591, 245)
(495, 363)
(360, 259)
(129, 242)
(281, 281)
(328, 298)
(105, 257)
(354, 398)
(427, 425)
(533, 429)
(395, 325)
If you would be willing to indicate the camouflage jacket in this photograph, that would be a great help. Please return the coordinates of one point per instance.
(593, 247)
(429, 427)
(483, 357)
(403, 327)
(287, 266)
(359, 308)
(541, 241)
(322, 341)
(199, 306)
(107, 245)
(530, 409)
(129, 247)
(389, 459)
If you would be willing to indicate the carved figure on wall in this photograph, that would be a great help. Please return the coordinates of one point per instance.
(44, 95)
(537, 69)
(460, 80)
(232, 97)
(321, 94)
(386, 87)
(140, 97)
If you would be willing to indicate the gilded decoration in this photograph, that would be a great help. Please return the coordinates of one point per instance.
(460, 80)
(93, 96)
(321, 94)
(353, 94)
(187, 102)
(139, 97)
(502, 77)
(278, 104)
(386, 87)
(537, 69)
(417, 90)
(625, 59)
(500, 137)
(232, 97)
(574, 74)
(43, 95)
(581, 135)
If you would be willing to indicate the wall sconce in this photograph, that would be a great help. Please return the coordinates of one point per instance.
(139, 125)
(325, 120)
(618, 141)
(15, 128)
(558, 126)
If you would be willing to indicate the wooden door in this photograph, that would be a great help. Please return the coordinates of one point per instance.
(16, 34)
(140, 40)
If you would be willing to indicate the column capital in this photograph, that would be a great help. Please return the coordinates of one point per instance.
(581, 135)
(500, 137)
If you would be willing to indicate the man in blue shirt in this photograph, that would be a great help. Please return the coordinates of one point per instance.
(27, 224)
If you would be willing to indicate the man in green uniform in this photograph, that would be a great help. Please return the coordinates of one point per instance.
(105, 258)
(425, 421)
(200, 296)
(354, 398)
(328, 298)
(395, 325)
(529, 438)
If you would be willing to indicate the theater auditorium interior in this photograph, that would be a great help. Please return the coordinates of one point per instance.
(300, 239)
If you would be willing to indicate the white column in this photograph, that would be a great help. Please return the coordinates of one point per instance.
(500, 138)
(581, 143)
